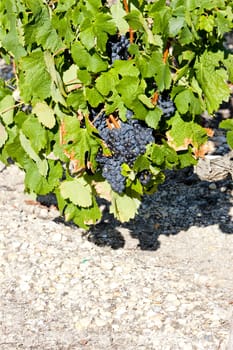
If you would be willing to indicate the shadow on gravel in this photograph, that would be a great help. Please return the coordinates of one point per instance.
(181, 202)
(176, 206)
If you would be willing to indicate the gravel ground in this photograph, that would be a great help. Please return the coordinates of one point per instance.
(162, 281)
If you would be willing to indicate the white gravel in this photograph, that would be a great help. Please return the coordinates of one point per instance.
(60, 291)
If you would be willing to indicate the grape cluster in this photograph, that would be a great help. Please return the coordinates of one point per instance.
(167, 105)
(126, 143)
(117, 48)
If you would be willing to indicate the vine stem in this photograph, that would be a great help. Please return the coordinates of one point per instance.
(126, 7)
(10, 108)
(155, 97)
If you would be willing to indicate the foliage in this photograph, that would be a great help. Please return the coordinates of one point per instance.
(62, 70)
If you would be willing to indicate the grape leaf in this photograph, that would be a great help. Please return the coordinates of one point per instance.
(7, 109)
(3, 135)
(185, 133)
(106, 82)
(40, 30)
(45, 114)
(93, 62)
(124, 207)
(153, 117)
(212, 78)
(228, 124)
(126, 68)
(41, 163)
(33, 130)
(78, 191)
(156, 68)
(34, 79)
(118, 14)
(12, 37)
(83, 217)
(37, 183)
(186, 101)
(93, 97)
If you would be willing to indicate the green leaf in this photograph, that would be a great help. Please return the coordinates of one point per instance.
(3, 135)
(39, 184)
(106, 82)
(80, 142)
(126, 68)
(76, 99)
(34, 79)
(80, 55)
(70, 75)
(146, 101)
(40, 29)
(93, 97)
(124, 207)
(128, 88)
(175, 24)
(156, 68)
(84, 76)
(55, 77)
(12, 37)
(93, 62)
(118, 14)
(45, 114)
(7, 109)
(33, 130)
(185, 133)
(164, 156)
(134, 19)
(228, 125)
(212, 78)
(186, 101)
(153, 117)
(229, 65)
(77, 191)
(87, 37)
(41, 163)
(230, 138)
(206, 23)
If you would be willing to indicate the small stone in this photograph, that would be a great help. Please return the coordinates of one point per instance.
(171, 308)
(212, 186)
(83, 323)
(56, 237)
(100, 322)
(223, 188)
(106, 265)
(172, 299)
(24, 286)
(43, 213)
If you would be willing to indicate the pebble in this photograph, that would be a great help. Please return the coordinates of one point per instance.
(43, 213)
(100, 322)
(82, 323)
(56, 237)
(212, 186)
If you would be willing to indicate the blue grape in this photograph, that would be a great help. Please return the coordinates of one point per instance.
(117, 48)
(145, 177)
(167, 105)
(126, 143)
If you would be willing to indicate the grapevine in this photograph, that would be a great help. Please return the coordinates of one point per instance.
(106, 95)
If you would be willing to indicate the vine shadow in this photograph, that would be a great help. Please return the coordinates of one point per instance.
(181, 202)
